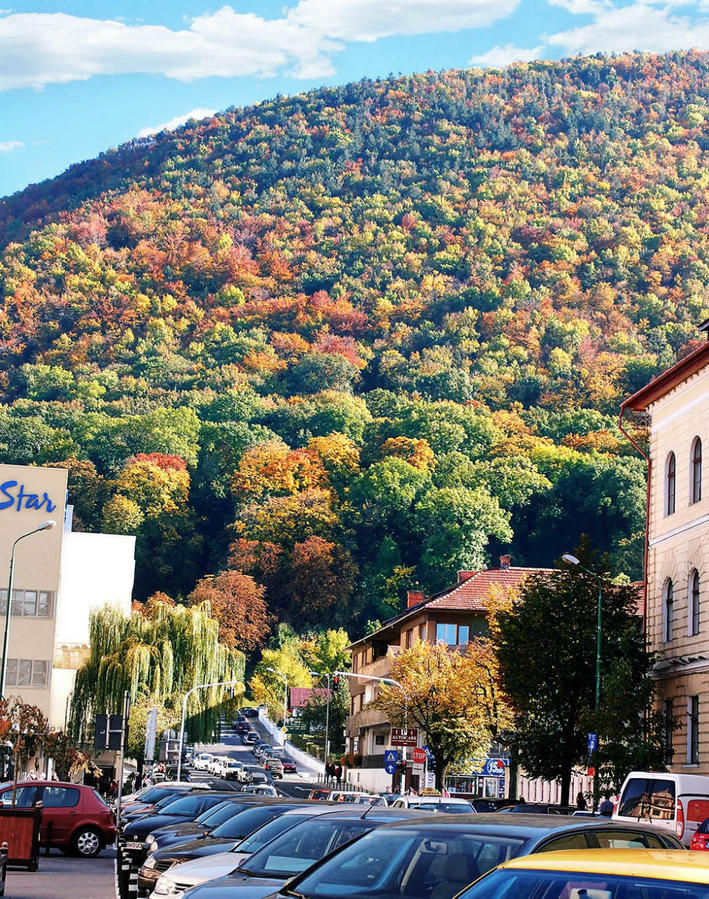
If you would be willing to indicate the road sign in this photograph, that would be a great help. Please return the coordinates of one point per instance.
(150, 733)
(391, 755)
(402, 736)
(417, 769)
(390, 767)
(419, 756)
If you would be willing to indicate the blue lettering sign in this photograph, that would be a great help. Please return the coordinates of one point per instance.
(23, 499)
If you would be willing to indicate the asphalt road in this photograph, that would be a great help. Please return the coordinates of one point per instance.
(63, 877)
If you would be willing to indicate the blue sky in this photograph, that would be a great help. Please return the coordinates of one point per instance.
(80, 76)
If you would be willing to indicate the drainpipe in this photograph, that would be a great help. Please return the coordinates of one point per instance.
(647, 515)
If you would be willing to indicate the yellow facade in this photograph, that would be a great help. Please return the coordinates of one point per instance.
(677, 614)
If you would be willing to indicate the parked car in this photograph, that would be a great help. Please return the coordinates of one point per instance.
(232, 769)
(249, 712)
(674, 802)
(320, 793)
(260, 789)
(250, 737)
(268, 869)
(75, 818)
(623, 874)
(199, 870)
(201, 761)
(140, 810)
(274, 766)
(443, 804)
(441, 855)
(289, 766)
(171, 834)
(222, 839)
(539, 808)
(133, 836)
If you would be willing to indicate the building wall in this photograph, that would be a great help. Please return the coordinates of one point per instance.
(679, 544)
(37, 564)
(80, 571)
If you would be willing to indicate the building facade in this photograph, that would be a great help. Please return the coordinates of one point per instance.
(59, 577)
(677, 569)
(454, 617)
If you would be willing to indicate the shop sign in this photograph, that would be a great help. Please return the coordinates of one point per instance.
(14, 496)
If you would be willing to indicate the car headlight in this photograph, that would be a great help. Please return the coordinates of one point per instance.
(150, 837)
(164, 887)
(153, 847)
(149, 862)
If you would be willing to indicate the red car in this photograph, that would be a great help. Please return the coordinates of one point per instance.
(700, 839)
(74, 817)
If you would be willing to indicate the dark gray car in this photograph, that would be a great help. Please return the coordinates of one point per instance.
(438, 857)
(267, 870)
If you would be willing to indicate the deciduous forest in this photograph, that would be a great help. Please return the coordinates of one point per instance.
(339, 344)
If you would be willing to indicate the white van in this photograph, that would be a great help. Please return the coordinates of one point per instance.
(675, 802)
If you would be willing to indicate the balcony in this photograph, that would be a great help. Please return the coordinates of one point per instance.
(379, 668)
(365, 718)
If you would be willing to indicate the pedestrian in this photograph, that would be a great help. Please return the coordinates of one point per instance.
(32, 774)
(338, 774)
(606, 807)
(580, 802)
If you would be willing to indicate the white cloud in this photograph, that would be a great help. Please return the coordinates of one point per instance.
(581, 7)
(41, 48)
(502, 56)
(37, 49)
(369, 20)
(640, 26)
(7, 146)
(176, 122)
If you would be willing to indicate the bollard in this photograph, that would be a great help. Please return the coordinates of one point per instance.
(133, 882)
(3, 867)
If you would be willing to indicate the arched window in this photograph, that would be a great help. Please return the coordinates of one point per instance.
(694, 602)
(671, 483)
(695, 468)
(669, 609)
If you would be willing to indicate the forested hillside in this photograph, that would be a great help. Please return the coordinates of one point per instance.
(347, 341)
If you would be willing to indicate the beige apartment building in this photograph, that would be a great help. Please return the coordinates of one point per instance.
(677, 613)
(59, 576)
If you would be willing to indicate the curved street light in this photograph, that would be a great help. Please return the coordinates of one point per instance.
(45, 526)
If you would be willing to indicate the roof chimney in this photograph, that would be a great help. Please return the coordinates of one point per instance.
(505, 562)
(464, 576)
(413, 598)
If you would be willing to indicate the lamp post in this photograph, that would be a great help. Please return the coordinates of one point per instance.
(220, 683)
(285, 700)
(567, 557)
(327, 711)
(45, 526)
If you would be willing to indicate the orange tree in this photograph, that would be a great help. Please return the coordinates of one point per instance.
(452, 697)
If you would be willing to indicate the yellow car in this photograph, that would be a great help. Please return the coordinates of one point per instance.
(598, 874)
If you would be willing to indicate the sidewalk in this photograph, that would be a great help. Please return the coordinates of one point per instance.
(63, 877)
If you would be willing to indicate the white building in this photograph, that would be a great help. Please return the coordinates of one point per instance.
(59, 577)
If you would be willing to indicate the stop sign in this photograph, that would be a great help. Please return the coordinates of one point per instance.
(419, 756)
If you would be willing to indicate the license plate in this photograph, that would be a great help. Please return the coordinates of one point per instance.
(131, 844)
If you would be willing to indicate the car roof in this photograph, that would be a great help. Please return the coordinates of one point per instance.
(524, 826)
(661, 864)
(45, 783)
(379, 813)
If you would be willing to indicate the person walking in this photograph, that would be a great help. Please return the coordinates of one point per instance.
(580, 802)
(606, 807)
(338, 775)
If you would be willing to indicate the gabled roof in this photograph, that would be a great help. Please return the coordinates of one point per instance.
(470, 594)
(668, 380)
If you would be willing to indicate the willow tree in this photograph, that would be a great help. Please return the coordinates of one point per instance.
(157, 653)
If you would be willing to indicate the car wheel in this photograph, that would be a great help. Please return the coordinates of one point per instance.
(86, 843)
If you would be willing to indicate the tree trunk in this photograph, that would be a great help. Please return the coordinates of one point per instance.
(514, 771)
(440, 772)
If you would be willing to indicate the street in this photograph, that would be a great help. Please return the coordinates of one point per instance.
(59, 876)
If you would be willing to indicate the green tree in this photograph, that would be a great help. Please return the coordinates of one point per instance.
(546, 645)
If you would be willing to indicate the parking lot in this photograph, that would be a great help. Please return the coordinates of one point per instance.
(63, 877)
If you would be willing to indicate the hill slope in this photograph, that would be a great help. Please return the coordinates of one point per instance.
(457, 275)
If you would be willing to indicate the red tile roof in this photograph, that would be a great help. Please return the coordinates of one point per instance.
(469, 594)
(473, 592)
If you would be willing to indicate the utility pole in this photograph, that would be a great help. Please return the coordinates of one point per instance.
(327, 712)
(121, 755)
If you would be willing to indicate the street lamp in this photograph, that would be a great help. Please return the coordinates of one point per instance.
(285, 699)
(567, 557)
(45, 526)
(327, 711)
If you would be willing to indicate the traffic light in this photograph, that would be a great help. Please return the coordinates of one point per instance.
(336, 681)
(401, 766)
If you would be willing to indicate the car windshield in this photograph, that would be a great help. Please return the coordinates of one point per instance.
(402, 863)
(565, 885)
(297, 849)
(269, 832)
(246, 822)
(213, 817)
(450, 808)
(189, 805)
(155, 793)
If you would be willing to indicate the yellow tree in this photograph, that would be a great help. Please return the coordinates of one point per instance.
(446, 695)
